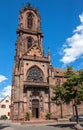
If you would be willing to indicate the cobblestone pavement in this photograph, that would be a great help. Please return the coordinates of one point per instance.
(8, 125)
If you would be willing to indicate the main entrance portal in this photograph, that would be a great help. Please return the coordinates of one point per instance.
(35, 108)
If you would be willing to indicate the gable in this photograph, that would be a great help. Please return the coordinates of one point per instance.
(34, 51)
(6, 99)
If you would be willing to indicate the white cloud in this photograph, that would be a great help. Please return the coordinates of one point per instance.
(73, 48)
(81, 17)
(2, 78)
(6, 91)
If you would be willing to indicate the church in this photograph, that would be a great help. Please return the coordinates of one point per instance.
(33, 73)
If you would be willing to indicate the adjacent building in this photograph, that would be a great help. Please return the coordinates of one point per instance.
(5, 107)
(33, 73)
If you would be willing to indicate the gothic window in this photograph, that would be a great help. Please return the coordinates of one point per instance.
(29, 41)
(35, 75)
(30, 21)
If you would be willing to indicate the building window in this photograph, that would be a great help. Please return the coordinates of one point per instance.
(30, 20)
(3, 106)
(7, 100)
(29, 41)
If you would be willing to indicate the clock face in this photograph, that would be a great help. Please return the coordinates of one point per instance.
(35, 75)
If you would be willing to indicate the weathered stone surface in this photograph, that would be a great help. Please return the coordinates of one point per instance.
(33, 85)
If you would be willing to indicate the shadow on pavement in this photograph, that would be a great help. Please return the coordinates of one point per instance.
(71, 126)
(3, 126)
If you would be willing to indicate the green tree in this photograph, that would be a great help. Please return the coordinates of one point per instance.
(70, 90)
(81, 77)
(58, 97)
(73, 87)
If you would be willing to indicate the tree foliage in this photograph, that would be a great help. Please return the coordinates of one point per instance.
(71, 89)
(73, 85)
(59, 92)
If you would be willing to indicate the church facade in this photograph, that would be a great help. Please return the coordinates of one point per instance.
(33, 73)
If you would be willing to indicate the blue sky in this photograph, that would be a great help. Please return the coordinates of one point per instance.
(62, 25)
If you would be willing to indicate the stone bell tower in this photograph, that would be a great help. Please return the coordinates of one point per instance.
(30, 82)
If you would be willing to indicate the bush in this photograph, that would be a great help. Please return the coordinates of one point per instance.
(3, 117)
(27, 115)
(48, 116)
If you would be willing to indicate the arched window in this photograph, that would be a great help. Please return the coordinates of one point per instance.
(29, 42)
(30, 20)
(35, 74)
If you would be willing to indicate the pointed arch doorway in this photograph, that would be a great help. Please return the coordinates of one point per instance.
(35, 108)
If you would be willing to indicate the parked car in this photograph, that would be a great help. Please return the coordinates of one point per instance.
(73, 118)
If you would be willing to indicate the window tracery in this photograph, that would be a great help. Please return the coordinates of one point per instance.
(35, 75)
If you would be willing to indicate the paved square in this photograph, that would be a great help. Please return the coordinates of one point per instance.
(8, 125)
